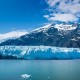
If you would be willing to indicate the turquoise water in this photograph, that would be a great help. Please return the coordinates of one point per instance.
(40, 69)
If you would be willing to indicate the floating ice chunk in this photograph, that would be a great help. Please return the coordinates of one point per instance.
(26, 76)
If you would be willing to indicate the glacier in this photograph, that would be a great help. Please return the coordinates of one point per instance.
(39, 52)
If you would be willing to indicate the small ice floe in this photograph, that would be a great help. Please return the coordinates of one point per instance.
(26, 76)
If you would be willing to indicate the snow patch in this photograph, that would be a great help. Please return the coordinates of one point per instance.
(73, 39)
(78, 37)
(12, 35)
(65, 27)
(44, 28)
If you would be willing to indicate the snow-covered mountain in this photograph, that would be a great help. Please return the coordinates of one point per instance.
(59, 35)
(42, 43)
(59, 27)
(12, 35)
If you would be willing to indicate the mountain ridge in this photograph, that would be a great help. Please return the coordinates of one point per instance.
(58, 35)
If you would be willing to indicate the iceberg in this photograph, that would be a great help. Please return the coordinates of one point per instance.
(38, 52)
(26, 76)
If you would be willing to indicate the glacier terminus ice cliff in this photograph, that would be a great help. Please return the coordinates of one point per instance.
(38, 52)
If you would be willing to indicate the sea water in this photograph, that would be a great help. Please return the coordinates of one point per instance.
(40, 69)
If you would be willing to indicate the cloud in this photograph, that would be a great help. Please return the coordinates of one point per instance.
(64, 17)
(63, 10)
(69, 7)
(46, 16)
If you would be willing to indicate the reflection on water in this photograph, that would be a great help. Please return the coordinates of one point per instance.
(40, 69)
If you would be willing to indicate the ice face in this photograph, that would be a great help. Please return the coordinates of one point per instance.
(39, 52)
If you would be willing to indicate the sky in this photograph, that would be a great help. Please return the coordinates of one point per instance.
(30, 14)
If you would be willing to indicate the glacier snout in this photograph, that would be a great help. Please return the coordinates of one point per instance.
(38, 52)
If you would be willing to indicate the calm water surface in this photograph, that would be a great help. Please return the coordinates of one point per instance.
(40, 69)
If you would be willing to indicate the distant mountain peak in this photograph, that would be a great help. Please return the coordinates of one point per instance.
(59, 27)
(12, 35)
(44, 28)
